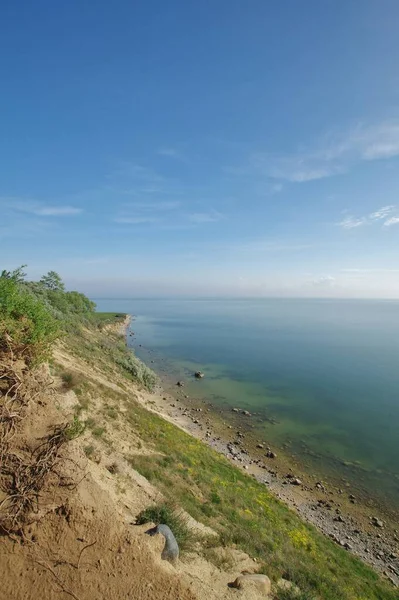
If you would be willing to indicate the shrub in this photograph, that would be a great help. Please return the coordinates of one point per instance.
(169, 515)
(138, 370)
(27, 328)
(69, 380)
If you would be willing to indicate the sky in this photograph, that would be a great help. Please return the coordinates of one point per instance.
(207, 148)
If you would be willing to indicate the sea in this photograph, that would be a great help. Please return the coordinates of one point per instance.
(321, 377)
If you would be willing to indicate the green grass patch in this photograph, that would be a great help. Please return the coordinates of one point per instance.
(245, 514)
(74, 429)
(98, 431)
(170, 515)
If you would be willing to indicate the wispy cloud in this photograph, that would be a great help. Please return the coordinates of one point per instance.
(170, 152)
(139, 213)
(153, 206)
(352, 222)
(333, 154)
(324, 281)
(370, 270)
(57, 211)
(382, 214)
(205, 217)
(39, 209)
(391, 221)
(125, 220)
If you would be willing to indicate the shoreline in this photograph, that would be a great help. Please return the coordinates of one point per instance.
(337, 514)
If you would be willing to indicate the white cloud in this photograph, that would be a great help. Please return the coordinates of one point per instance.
(391, 221)
(382, 212)
(372, 270)
(57, 211)
(135, 220)
(153, 206)
(39, 209)
(331, 155)
(350, 222)
(208, 217)
(324, 281)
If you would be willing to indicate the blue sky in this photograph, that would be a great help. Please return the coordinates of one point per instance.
(203, 148)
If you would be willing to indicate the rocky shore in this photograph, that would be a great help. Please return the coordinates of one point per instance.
(338, 513)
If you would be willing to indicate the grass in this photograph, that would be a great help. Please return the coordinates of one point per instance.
(109, 353)
(213, 491)
(168, 514)
(100, 319)
(70, 380)
(246, 515)
(74, 429)
(89, 450)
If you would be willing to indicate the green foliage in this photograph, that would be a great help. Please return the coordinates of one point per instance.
(52, 281)
(27, 328)
(170, 515)
(18, 275)
(188, 472)
(74, 429)
(137, 369)
(98, 431)
(89, 450)
(70, 380)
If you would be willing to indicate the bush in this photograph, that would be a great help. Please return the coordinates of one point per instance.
(27, 328)
(138, 370)
(169, 515)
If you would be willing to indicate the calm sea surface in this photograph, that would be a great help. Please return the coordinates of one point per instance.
(325, 372)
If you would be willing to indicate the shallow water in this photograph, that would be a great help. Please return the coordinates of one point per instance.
(325, 372)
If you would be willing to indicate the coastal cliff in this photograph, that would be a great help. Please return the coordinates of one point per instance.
(97, 464)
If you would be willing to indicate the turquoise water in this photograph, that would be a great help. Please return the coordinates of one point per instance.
(321, 375)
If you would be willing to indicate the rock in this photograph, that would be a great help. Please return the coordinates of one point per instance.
(260, 582)
(296, 481)
(271, 454)
(180, 383)
(347, 546)
(199, 375)
(377, 522)
(339, 519)
(246, 413)
(285, 585)
(260, 446)
(236, 410)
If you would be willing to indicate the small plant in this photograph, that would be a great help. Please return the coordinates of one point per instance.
(98, 431)
(89, 450)
(111, 412)
(215, 498)
(74, 429)
(69, 380)
(173, 517)
(113, 468)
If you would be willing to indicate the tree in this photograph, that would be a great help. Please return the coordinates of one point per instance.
(52, 281)
(18, 275)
